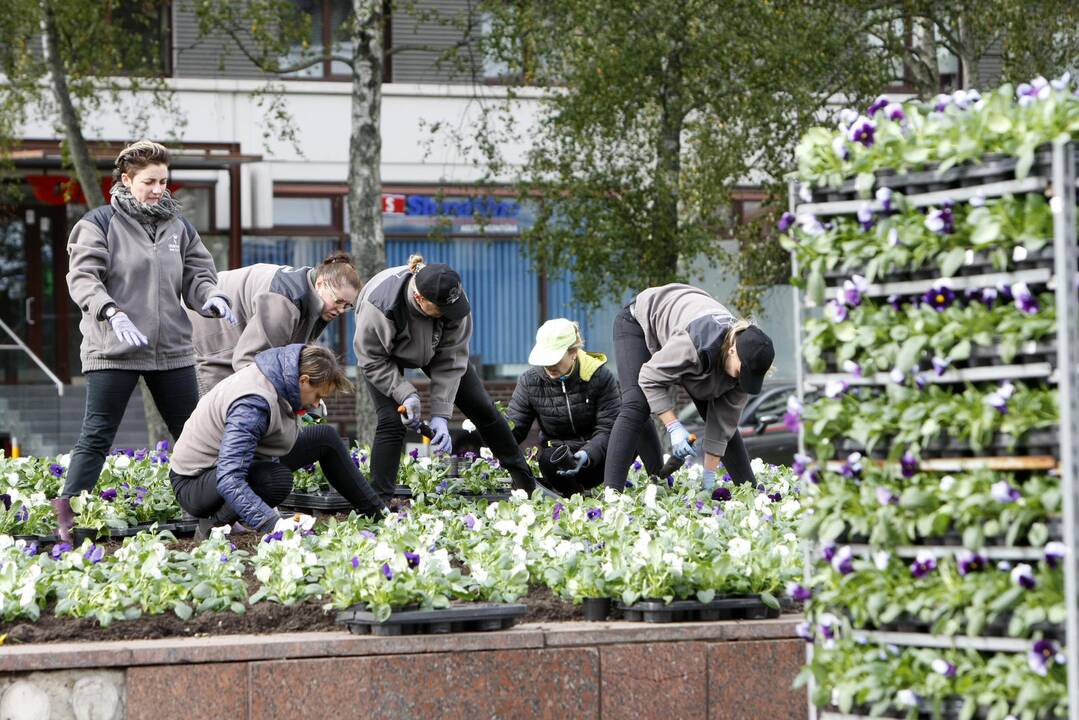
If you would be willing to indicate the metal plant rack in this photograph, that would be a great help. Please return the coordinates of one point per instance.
(1053, 173)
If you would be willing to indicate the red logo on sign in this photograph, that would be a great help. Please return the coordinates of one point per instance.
(393, 204)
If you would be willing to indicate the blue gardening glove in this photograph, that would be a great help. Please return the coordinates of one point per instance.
(126, 330)
(582, 459)
(411, 416)
(708, 480)
(680, 445)
(219, 307)
(441, 442)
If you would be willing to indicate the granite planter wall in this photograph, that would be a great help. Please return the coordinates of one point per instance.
(722, 670)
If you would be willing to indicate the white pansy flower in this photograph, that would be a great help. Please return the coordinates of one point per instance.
(738, 548)
(383, 552)
(650, 496)
(262, 572)
(121, 461)
(790, 507)
(468, 425)
(762, 502)
(756, 465)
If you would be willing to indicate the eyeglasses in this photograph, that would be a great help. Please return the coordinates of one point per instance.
(337, 299)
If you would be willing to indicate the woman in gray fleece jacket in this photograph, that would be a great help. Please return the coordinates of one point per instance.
(275, 306)
(131, 264)
(680, 335)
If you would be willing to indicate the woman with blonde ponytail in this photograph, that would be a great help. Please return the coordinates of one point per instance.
(275, 305)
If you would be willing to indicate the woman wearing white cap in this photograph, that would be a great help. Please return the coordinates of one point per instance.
(575, 399)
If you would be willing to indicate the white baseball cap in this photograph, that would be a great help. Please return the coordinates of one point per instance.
(553, 339)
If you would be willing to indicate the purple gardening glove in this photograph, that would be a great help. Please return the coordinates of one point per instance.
(219, 307)
(581, 459)
(441, 442)
(411, 416)
(126, 330)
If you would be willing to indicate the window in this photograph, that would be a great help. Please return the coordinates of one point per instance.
(302, 211)
(329, 19)
(146, 27)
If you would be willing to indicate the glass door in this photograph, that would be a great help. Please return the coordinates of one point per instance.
(34, 302)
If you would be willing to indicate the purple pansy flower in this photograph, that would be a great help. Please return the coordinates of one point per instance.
(59, 549)
(1041, 655)
(6, 499)
(940, 365)
(803, 631)
(1036, 89)
(879, 104)
(470, 522)
(801, 464)
(884, 197)
(22, 514)
(827, 551)
(108, 494)
(162, 446)
(894, 112)
(886, 496)
(368, 534)
(792, 418)
(1023, 576)
(968, 562)
(940, 221)
(355, 562)
(413, 559)
(999, 398)
(835, 311)
(785, 221)
(56, 470)
(141, 454)
(95, 554)
(924, 563)
(557, 512)
(852, 467)
(843, 560)
(721, 494)
(594, 513)
(386, 571)
(1004, 493)
(30, 549)
(835, 388)
(853, 290)
(939, 298)
(908, 464)
(1054, 553)
(865, 217)
(414, 453)
(1024, 299)
(274, 536)
(797, 592)
(861, 131)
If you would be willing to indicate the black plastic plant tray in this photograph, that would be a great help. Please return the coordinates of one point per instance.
(331, 501)
(730, 607)
(476, 617)
(39, 539)
(80, 534)
(184, 528)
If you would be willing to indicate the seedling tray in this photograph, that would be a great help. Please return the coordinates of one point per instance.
(730, 607)
(329, 501)
(79, 534)
(476, 617)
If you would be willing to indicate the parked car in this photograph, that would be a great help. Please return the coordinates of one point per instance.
(761, 426)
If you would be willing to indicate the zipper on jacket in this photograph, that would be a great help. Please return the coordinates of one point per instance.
(569, 409)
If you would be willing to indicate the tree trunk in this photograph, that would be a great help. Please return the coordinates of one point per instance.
(926, 72)
(85, 171)
(365, 170)
(665, 235)
(968, 57)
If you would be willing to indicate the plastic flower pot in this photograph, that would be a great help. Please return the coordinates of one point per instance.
(596, 609)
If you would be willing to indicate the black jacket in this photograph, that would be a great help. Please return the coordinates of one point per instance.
(579, 411)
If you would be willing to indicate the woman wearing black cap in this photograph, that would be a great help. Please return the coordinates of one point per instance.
(680, 335)
(418, 316)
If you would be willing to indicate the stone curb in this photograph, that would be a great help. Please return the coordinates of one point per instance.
(246, 648)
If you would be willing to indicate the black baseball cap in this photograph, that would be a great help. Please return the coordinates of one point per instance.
(441, 284)
(756, 352)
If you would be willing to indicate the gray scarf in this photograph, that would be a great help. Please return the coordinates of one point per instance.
(149, 216)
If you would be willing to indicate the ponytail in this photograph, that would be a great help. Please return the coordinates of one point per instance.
(415, 262)
(337, 270)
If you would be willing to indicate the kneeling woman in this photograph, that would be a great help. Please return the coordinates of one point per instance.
(236, 456)
(680, 335)
(575, 398)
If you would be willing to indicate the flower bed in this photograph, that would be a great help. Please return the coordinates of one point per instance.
(662, 542)
(932, 333)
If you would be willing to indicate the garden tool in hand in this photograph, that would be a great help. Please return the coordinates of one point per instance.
(674, 462)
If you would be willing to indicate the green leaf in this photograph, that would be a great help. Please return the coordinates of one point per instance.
(1038, 534)
(182, 610)
(770, 600)
(706, 596)
(910, 352)
(952, 261)
(815, 285)
(916, 155)
(985, 234)
(960, 351)
(999, 123)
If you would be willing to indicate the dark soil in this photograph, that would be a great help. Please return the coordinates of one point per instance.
(545, 606)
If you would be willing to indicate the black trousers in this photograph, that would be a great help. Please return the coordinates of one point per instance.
(175, 392)
(588, 478)
(477, 406)
(272, 481)
(633, 432)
